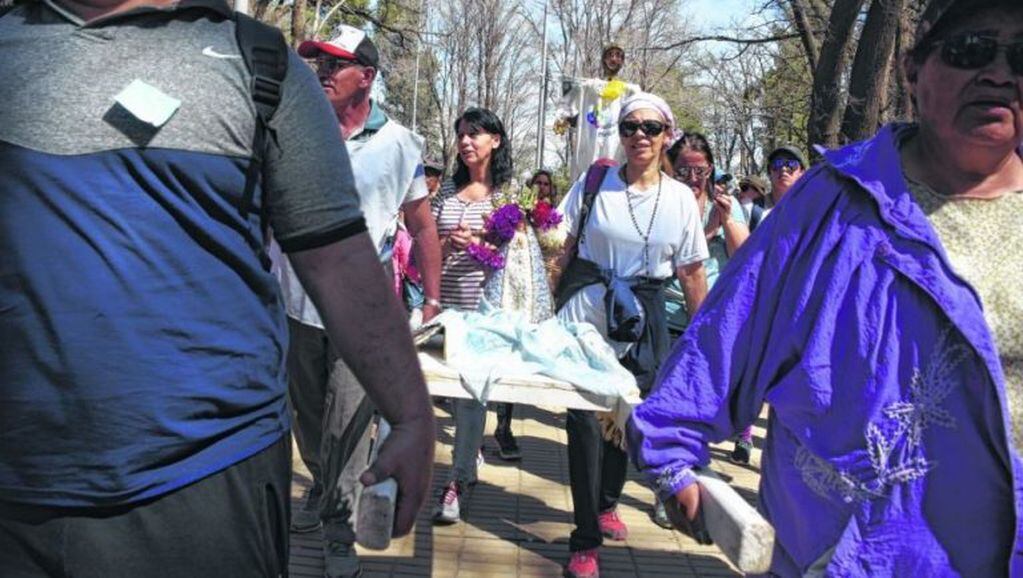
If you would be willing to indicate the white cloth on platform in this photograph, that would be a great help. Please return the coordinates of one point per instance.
(484, 346)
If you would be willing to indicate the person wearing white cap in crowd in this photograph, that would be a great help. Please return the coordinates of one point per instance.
(644, 227)
(388, 170)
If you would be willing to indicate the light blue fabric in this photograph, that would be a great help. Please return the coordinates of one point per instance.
(678, 315)
(716, 245)
(888, 431)
(486, 345)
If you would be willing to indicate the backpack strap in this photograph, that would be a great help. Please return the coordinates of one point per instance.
(756, 214)
(266, 56)
(594, 178)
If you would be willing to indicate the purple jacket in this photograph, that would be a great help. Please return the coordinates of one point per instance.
(887, 436)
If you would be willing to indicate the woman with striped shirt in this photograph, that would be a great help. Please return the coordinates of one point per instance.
(483, 166)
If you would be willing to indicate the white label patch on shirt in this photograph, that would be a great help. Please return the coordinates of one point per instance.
(147, 103)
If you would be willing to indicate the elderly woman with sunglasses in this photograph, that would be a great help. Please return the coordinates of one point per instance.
(879, 315)
(642, 230)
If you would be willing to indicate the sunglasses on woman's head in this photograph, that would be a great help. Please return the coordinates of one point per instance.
(974, 50)
(650, 127)
(790, 164)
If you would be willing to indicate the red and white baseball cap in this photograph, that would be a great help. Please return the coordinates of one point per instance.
(349, 44)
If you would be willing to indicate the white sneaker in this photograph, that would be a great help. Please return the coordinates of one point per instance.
(448, 510)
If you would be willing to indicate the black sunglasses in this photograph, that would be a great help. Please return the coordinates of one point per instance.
(650, 127)
(790, 164)
(974, 50)
(329, 64)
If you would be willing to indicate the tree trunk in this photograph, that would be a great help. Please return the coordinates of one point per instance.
(871, 71)
(298, 22)
(805, 30)
(825, 113)
(903, 104)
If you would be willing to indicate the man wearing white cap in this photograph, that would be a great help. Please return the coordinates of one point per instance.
(387, 166)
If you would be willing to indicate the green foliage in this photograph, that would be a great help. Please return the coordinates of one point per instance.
(786, 96)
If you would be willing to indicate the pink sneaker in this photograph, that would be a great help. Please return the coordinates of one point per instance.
(583, 564)
(612, 527)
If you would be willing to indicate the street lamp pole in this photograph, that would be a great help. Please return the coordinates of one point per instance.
(541, 120)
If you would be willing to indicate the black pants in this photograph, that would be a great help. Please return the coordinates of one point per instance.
(233, 523)
(504, 415)
(596, 472)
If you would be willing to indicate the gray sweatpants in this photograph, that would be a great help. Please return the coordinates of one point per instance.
(324, 396)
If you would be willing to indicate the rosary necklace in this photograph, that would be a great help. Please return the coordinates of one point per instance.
(650, 225)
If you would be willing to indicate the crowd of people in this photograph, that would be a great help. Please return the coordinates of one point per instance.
(165, 333)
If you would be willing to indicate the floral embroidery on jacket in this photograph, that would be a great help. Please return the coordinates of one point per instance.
(671, 479)
(895, 446)
(823, 478)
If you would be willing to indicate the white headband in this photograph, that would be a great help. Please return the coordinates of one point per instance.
(650, 101)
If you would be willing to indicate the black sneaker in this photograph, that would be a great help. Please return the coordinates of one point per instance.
(507, 447)
(340, 560)
(306, 518)
(661, 515)
(742, 451)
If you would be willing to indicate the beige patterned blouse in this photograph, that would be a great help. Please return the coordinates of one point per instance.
(984, 242)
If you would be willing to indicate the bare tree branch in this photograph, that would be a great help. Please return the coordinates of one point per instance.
(725, 38)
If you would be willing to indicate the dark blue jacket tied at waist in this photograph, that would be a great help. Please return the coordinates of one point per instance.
(635, 314)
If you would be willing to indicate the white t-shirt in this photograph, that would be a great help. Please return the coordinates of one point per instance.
(388, 172)
(612, 241)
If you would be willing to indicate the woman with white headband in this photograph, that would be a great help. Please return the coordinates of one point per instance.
(641, 228)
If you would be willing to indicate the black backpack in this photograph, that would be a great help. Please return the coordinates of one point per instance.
(266, 56)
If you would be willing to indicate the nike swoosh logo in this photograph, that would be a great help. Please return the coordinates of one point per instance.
(209, 51)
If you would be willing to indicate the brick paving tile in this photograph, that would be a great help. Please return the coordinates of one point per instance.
(517, 520)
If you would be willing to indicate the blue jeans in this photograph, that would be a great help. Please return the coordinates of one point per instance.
(470, 417)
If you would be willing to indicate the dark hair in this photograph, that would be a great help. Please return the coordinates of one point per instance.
(546, 173)
(550, 178)
(500, 160)
(693, 141)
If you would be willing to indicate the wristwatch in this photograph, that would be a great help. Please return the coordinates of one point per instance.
(431, 302)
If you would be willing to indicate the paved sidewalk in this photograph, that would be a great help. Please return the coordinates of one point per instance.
(519, 516)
